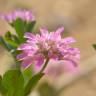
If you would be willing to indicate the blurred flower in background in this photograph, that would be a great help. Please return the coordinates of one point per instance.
(23, 14)
(56, 69)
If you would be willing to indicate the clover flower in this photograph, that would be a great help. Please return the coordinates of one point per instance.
(25, 15)
(47, 45)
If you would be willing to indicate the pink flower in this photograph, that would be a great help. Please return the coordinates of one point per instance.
(25, 15)
(49, 45)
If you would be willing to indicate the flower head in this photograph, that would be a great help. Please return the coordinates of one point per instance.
(25, 15)
(49, 45)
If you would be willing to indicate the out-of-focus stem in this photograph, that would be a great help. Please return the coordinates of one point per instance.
(46, 62)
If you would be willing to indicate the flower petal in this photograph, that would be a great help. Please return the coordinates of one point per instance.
(29, 35)
(59, 30)
(69, 40)
(26, 63)
(24, 46)
(22, 56)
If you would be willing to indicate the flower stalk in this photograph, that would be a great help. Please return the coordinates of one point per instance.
(45, 65)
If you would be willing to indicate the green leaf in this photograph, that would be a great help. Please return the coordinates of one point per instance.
(8, 35)
(94, 45)
(10, 40)
(4, 44)
(46, 89)
(3, 91)
(30, 26)
(12, 43)
(27, 74)
(15, 39)
(19, 26)
(32, 83)
(0, 79)
(0, 83)
(13, 82)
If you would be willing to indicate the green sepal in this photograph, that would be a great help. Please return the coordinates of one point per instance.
(30, 26)
(19, 26)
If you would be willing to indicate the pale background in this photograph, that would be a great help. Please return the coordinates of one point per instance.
(79, 19)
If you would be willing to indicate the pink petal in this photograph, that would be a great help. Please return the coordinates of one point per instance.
(22, 56)
(69, 40)
(29, 35)
(26, 63)
(59, 30)
(39, 60)
(44, 32)
(24, 46)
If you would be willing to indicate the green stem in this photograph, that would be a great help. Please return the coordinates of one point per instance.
(46, 62)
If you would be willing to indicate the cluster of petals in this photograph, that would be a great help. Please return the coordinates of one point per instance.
(23, 14)
(47, 45)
